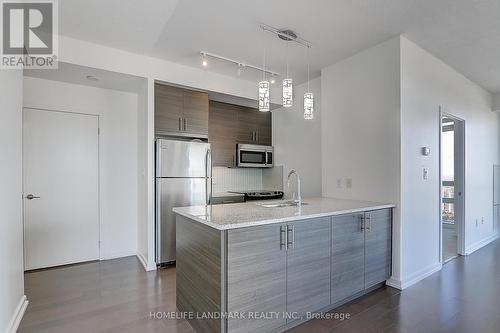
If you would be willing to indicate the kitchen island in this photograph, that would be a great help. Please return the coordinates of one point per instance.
(255, 267)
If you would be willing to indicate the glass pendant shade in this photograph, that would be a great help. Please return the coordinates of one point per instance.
(264, 96)
(287, 93)
(308, 106)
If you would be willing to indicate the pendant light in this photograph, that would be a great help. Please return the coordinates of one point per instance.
(287, 85)
(264, 98)
(308, 96)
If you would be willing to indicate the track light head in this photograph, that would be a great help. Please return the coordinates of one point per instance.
(204, 60)
(240, 69)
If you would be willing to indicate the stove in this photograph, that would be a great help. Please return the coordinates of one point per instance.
(260, 194)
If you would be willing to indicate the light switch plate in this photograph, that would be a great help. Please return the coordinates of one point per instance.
(425, 174)
(348, 183)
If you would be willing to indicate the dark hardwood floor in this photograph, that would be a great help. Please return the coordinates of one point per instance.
(117, 296)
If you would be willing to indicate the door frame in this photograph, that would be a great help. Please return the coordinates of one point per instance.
(99, 217)
(460, 226)
(496, 227)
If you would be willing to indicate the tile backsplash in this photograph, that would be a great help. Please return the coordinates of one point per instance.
(227, 179)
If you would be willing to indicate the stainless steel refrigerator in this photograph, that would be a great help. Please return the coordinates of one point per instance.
(183, 178)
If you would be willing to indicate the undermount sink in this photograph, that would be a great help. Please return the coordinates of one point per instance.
(282, 203)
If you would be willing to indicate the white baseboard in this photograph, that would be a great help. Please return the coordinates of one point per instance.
(414, 278)
(117, 255)
(18, 315)
(395, 283)
(147, 266)
(476, 246)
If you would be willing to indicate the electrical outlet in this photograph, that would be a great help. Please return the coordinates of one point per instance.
(482, 220)
(339, 183)
(348, 183)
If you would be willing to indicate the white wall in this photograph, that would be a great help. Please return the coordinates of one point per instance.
(426, 84)
(93, 55)
(142, 169)
(12, 299)
(297, 142)
(496, 102)
(117, 149)
(380, 107)
(360, 126)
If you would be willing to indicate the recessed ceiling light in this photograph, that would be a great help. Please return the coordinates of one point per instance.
(92, 78)
(273, 80)
(204, 60)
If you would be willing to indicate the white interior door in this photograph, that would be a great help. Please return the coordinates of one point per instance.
(60, 162)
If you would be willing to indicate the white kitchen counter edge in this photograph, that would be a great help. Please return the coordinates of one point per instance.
(228, 226)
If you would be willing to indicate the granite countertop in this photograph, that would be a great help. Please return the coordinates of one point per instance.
(224, 217)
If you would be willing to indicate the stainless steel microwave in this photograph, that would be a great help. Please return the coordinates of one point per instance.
(254, 156)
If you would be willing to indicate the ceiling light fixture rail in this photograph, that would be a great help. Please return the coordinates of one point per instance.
(240, 64)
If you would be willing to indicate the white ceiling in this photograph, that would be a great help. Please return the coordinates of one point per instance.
(463, 33)
(78, 75)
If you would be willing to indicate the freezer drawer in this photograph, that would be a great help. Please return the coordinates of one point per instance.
(174, 192)
(181, 158)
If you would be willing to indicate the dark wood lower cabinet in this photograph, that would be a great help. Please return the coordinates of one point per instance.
(308, 266)
(256, 266)
(361, 252)
(348, 256)
(378, 252)
(281, 270)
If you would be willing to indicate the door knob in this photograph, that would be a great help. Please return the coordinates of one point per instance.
(31, 197)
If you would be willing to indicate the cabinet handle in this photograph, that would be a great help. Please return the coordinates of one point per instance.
(185, 124)
(362, 223)
(180, 125)
(283, 238)
(290, 239)
(369, 222)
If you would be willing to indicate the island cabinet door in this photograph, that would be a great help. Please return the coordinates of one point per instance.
(348, 274)
(378, 236)
(308, 266)
(256, 265)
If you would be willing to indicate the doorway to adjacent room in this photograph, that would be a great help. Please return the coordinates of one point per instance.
(452, 180)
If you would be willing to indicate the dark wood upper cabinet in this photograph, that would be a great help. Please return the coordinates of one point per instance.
(222, 132)
(254, 127)
(196, 112)
(180, 111)
(232, 124)
(264, 128)
(169, 105)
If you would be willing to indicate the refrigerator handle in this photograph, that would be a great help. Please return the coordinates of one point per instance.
(208, 178)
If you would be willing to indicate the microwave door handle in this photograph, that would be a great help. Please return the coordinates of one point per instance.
(267, 157)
